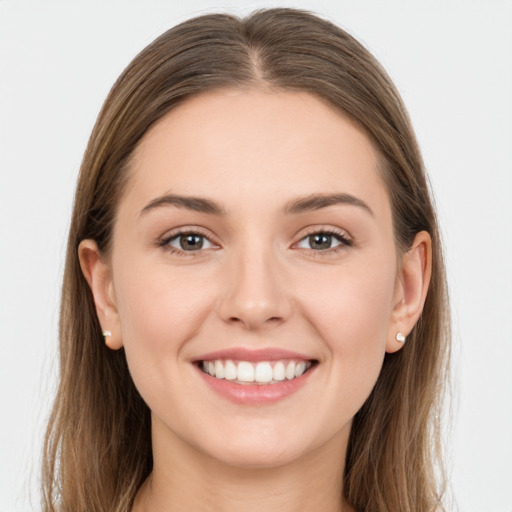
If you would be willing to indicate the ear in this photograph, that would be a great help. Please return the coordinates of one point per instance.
(98, 274)
(411, 289)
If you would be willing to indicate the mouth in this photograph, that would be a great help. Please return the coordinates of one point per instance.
(256, 373)
(258, 377)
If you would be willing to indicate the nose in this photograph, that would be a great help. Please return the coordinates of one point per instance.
(255, 294)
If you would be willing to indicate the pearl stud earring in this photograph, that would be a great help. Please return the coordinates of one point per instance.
(106, 336)
(400, 337)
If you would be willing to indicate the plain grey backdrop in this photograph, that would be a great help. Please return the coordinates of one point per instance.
(452, 62)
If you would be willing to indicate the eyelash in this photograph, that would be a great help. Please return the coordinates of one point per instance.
(340, 236)
(164, 242)
(344, 240)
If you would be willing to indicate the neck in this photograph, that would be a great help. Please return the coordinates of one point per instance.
(190, 480)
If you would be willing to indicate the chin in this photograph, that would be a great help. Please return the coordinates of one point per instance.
(258, 448)
(258, 457)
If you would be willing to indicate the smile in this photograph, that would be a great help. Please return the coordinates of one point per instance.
(260, 373)
(250, 377)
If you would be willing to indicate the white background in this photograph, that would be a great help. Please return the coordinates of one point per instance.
(452, 62)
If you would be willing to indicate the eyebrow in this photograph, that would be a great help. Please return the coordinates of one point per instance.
(196, 204)
(301, 205)
(318, 201)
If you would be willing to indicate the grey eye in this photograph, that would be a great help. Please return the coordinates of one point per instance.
(190, 242)
(319, 242)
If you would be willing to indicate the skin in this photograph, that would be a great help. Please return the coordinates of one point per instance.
(256, 283)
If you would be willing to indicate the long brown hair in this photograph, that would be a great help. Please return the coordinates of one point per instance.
(98, 443)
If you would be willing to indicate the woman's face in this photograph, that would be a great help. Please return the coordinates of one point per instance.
(255, 229)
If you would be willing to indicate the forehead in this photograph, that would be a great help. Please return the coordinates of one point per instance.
(246, 146)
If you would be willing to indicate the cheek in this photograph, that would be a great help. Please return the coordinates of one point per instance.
(353, 308)
(159, 312)
(352, 316)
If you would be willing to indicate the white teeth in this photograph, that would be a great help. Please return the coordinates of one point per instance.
(279, 371)
(230, 371)
(290, 370)
(261, 373)
(219, 370)
(245, 372)
(299, 369)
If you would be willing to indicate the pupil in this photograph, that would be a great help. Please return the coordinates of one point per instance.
(189, 242)
(320, 241)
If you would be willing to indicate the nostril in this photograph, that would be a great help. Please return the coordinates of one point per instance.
(271, 319)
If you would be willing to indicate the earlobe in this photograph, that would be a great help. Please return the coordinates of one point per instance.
(98, 275)
(411, 290)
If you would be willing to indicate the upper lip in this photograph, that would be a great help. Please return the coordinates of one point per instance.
(253, 355)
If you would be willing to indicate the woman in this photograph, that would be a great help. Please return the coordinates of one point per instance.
(254, 241)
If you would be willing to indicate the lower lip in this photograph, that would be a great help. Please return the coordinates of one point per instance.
(255, 394)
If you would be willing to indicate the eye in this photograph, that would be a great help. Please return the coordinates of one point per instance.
(324, 241)
(187, 242)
